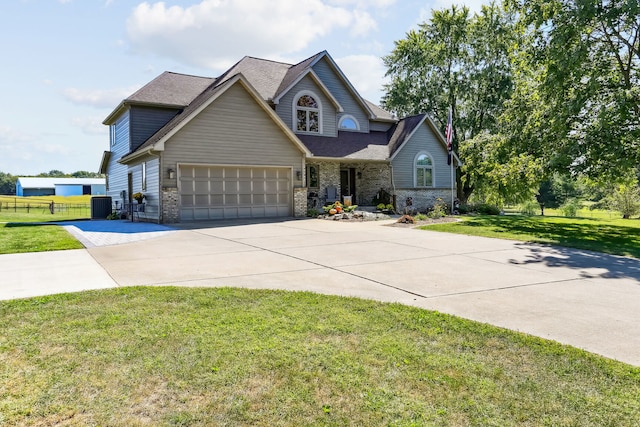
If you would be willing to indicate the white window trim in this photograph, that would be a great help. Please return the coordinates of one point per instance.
(144, 176)
(415, 168)
(295, 108)
(112, 134)
(308, 171)
(345, 117)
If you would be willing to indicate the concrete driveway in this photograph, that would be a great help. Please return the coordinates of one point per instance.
(581, 298)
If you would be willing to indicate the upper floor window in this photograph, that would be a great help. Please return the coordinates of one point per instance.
(424, 170)
(348, 122)
(308, 113)
(112, 134)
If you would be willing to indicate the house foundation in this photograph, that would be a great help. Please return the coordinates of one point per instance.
(421, 199)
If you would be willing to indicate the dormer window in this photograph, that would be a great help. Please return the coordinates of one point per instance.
(348, 122)
(308, 113)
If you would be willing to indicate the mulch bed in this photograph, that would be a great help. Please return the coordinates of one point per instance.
(425, 222)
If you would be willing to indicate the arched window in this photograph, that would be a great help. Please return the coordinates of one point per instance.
(423, 170)
(348, 122)
(307, 110)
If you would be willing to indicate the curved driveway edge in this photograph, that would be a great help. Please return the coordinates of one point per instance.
(585, 299)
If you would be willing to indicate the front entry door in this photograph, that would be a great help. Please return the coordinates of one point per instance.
(348, 183)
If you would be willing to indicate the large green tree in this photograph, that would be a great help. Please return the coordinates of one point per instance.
(459, 62)
(577, 100)
(7, 183)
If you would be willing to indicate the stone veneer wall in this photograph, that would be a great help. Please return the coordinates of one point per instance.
(300, 202)
(423, 199)
(329, 175)
(374, 176)
(170, 205)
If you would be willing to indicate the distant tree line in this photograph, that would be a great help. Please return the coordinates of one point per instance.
(8, 181)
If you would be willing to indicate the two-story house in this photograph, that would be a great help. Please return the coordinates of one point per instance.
(267, 139)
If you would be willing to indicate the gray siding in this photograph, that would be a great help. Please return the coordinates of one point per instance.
(422, 140)
(341, 92)
(379, 126)
(285, 106)
(152, 192)
(117, 173)
(233, 130)
(145, 121)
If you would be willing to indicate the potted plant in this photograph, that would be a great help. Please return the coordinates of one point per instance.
(138, 197)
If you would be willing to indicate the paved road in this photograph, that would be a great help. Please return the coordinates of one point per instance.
(576, 297)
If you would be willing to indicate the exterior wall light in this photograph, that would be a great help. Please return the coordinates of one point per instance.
(172, 174)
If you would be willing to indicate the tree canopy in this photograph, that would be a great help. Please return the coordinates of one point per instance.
(577, 98)
(459, 62)
(536, 87)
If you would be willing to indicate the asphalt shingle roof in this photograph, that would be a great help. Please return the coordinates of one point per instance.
(264, 75)
(269, 78)
(171, 89)
(350, 145)
(294, 71)
(401, 131)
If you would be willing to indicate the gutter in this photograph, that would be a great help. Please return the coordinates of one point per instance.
(132, 156)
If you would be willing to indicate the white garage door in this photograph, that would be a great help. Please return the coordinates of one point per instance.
(220, 192)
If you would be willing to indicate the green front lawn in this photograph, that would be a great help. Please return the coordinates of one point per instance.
(28, 237)
(179, 356)
(612, 236)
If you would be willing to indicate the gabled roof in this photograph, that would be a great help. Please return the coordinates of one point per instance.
(404, 130)
(294, 74)
(167, 90)
(157, 140)
(264, 75)
(298, 71)
(267, 81)
(379, 113)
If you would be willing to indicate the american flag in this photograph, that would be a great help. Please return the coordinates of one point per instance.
(449, 136)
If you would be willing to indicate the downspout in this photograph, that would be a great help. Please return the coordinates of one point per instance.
(393, 183)
(151, 153)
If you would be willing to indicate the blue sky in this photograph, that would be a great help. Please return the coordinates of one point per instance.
(68, 63)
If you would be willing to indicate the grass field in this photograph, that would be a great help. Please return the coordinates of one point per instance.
(36, 209)
(199, 357)
(612, 236)
(19, 233)
(29, 237)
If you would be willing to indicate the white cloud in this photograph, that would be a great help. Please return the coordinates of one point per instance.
(363, 4)
(9, 136)
(366, 73)
(215, 33)
(21, 151)
(474, 6)
(90, 125)
(98, 98)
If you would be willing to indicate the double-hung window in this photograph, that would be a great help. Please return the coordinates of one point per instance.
(424, 170)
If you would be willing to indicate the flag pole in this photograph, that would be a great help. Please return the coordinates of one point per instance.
(452, 207)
